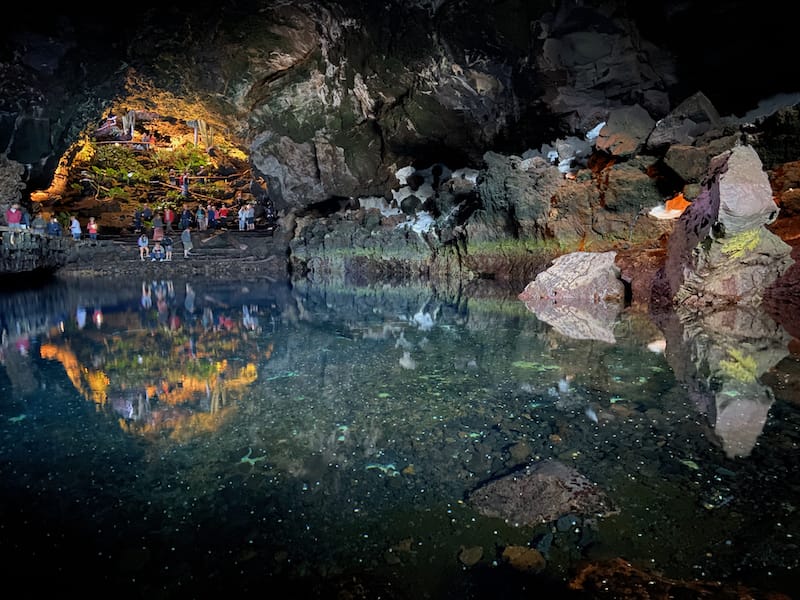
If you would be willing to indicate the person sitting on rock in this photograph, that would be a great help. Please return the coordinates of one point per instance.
(158, 253)
(144, 246)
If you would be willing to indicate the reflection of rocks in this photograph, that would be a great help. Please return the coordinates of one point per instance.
(721, 357)
(540, 493)
(580, 295)
(742, 410)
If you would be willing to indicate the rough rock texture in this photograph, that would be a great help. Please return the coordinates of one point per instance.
(330, 100)
(25, 252)
(580, 295)
(540, 493)
(620, 580)
(720, 251)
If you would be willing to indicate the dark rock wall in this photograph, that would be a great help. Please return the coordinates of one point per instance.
(329, 99)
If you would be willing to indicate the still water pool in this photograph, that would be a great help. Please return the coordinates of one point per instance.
(165, 439)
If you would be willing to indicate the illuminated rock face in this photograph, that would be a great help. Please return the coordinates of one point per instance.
(358, 88)
(720, 252)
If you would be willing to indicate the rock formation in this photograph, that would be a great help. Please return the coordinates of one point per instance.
(540, 493)
(720, 251)
(565, 110)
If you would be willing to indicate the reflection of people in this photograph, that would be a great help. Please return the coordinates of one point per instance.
(218, 395)
(147, 298)
(188, 303)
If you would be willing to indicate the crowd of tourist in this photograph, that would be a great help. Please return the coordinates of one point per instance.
(154, 228)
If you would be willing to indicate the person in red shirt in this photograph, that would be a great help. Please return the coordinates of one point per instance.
(222, 216)
(91, 228)
(169, 218)
(14, 217)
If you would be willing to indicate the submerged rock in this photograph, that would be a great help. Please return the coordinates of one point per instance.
(540, 493)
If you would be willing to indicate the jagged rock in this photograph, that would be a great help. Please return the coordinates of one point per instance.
(24, 252)
(540, 493)
(691, 163)
(720, 252)
(626, 131)
(689, 120)
(745, 193)
(592, 49)
(578, 276)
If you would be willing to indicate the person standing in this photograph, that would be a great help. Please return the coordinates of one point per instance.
(39, 224)
(75, 228)
(169, 219)
(26, 218)
(186, 217)
(137, 220)
(251, 217)
(243, 217)
(167, 242)
(54, 227)
(222, 217)
(158, 228)
(201, 218)
(91, 228)
(186, 240)
(14, 217)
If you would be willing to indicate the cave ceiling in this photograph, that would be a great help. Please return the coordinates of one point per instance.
(329, 98)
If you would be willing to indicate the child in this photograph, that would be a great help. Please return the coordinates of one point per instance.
(158, 253)
(143, 243)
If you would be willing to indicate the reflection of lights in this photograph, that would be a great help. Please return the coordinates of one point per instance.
(97, 317)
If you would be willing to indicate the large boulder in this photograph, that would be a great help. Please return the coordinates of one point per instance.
(580, 295)
(720, 251)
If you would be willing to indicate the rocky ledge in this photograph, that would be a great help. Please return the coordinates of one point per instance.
(222, 254)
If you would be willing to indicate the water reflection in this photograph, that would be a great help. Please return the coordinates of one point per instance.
(191, 438)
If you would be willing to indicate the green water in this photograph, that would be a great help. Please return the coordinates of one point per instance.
(159, 440)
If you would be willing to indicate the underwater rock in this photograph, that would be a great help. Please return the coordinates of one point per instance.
(540, 493)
